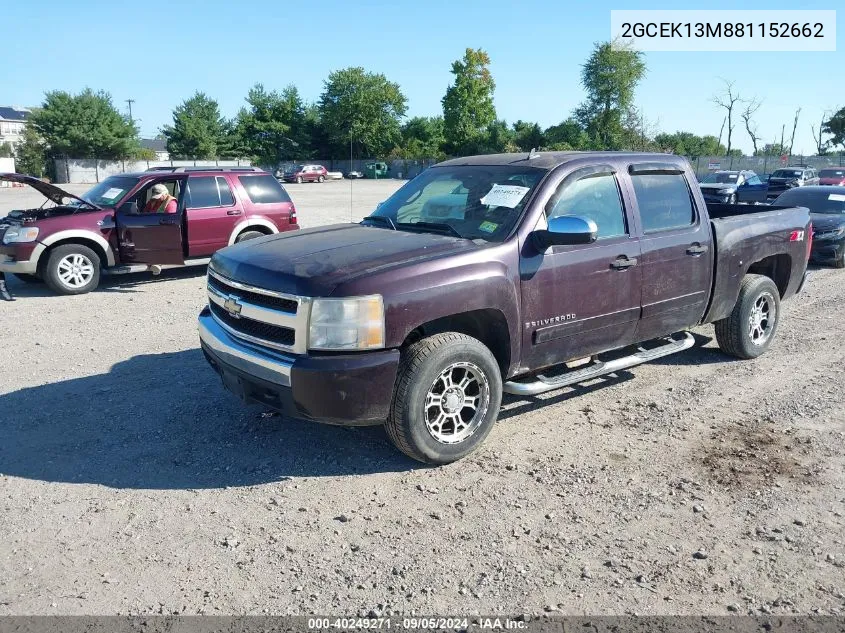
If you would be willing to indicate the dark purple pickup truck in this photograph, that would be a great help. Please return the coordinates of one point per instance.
(505, 273)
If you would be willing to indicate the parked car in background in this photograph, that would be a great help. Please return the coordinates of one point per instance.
(354, 174)
(730, 187)
(789, 178)
(764, 177)
(376, 170)
(558, 268)
(832, 176)
(827, 212)
(108, 228)
(305, 173)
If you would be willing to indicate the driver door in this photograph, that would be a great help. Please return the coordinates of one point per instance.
(151, 238)
(752, 190)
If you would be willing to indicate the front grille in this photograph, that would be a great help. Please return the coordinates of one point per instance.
(255, 329)
(275, 303)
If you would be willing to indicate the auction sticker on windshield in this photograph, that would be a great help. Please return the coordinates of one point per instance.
(112, 193)
(488, 227)
(504, 196)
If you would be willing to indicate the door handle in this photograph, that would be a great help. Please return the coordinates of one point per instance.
(234, 212)
(166, 222)
(623, 263)
(696, 249)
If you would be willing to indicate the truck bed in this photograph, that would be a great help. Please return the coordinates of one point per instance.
(776, 238)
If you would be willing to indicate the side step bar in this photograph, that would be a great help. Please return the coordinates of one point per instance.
(155, 269)
(541, 384)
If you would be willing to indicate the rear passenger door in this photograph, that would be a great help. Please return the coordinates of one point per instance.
(212, 213)
(676, 250)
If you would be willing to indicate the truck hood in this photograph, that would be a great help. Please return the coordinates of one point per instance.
(313, 262)
(53, 193)
(717, 186)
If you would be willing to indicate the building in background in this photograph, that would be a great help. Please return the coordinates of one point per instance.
(158, 145)
(12, 124)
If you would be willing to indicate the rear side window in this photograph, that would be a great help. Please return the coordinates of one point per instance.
(264, 189)
(664, 201)
(203, 192)
(226, 197)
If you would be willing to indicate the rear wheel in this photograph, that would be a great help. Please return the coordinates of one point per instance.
(749, 330)
(72, 269)
(30, 279)
(248, 235)
(447, 397)
(320, 179)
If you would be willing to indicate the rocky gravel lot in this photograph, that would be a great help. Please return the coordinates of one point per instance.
(133, 483)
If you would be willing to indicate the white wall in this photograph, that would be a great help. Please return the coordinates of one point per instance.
(7, 165)
(79, 170)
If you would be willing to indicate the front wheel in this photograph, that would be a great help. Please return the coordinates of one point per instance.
(447, 398)
(72, 269)
(732, 199)
(839, 262)
(750, 328)
(299, 180)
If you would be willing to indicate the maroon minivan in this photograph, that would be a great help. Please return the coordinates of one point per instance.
(306, 173)
(113, 227)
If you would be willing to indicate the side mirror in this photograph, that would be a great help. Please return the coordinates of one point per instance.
(567, 230)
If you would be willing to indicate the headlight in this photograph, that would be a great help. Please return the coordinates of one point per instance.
(17, 234)
(354, 323)
(725, 192)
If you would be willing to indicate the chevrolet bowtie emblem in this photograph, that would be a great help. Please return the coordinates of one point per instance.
(233, 307)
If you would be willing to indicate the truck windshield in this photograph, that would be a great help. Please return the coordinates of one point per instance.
(109, 192)
(472, 201)
(723, 177)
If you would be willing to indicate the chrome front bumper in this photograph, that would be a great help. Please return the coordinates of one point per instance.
(255, 361)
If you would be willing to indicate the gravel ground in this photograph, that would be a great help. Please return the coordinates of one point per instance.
(133, 483)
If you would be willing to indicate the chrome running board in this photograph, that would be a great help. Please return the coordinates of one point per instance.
(155, 269)
(541, 384)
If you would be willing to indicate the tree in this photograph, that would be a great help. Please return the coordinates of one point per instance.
(750, 110)
(364, 108)
(6, 150)
(567, 135)
(818, 136)
(835, 126)
(794, 127)
(198, 130)
(86, 125)
(497, 138)
(689, 144)
(772, 149)
(422, 137)
(272, 128)
(527, 136)
(610, 77)
(31, 155)
(728, 100)
(468, 109)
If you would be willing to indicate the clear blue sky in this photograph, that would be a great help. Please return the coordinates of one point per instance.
(159, 53)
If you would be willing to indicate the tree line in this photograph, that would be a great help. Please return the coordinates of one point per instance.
(362, 113)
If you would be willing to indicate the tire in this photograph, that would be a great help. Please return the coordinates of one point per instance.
(732, 199)
(750, 328)
(29, 279)
(433, 434)
(320, 179)
(839, 262)
(72, 269)
(248, 235)
(299, 180)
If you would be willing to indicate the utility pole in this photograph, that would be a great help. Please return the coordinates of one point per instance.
(130, 102)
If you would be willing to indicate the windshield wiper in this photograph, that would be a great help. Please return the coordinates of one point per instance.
(435, 226)
(381, 218)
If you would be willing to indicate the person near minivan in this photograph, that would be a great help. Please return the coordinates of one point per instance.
(4, 289)
(161, 201)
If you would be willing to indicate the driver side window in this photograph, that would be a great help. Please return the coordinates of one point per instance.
(142, 201)
(595, 197)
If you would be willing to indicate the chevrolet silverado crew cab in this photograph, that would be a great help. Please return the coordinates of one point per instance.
(118, 227)
(560, 267)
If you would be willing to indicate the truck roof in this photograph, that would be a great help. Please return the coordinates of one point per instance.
(550, 160)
